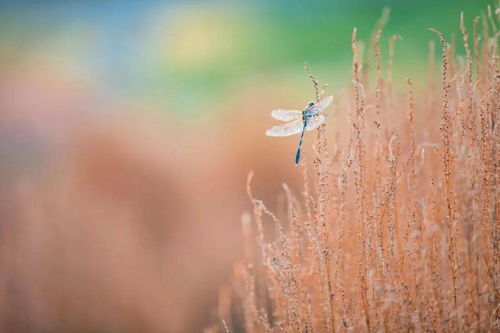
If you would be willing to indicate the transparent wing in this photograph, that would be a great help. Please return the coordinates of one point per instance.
(286, 115)
(290, 128)
(314, 122)
(323, 104)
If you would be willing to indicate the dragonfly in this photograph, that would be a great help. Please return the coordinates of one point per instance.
(299, 121)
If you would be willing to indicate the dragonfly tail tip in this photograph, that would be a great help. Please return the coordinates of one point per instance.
(297, 157)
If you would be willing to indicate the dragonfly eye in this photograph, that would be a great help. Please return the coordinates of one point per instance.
(311, 103)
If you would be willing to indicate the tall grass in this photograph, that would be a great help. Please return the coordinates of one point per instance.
(396, 226)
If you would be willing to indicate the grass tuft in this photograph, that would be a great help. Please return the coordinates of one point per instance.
(396, 226)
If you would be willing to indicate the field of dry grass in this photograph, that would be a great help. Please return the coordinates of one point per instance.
(395, 227)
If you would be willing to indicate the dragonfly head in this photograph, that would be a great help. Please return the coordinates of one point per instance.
(311, 103)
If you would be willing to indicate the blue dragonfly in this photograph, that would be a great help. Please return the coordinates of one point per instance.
(299, 121)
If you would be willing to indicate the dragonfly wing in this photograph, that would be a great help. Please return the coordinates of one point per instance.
(323, 104)
(286, 115)
(315, 121)
(290, 128)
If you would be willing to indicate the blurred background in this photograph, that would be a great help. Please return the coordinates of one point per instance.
(127, 129)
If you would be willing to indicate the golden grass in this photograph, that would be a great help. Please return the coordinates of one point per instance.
(396, 226)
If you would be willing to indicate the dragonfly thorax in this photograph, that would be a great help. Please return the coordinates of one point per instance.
(307, 114)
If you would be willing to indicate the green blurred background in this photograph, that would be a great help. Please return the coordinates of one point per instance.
(188, 56)
(127, 129)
